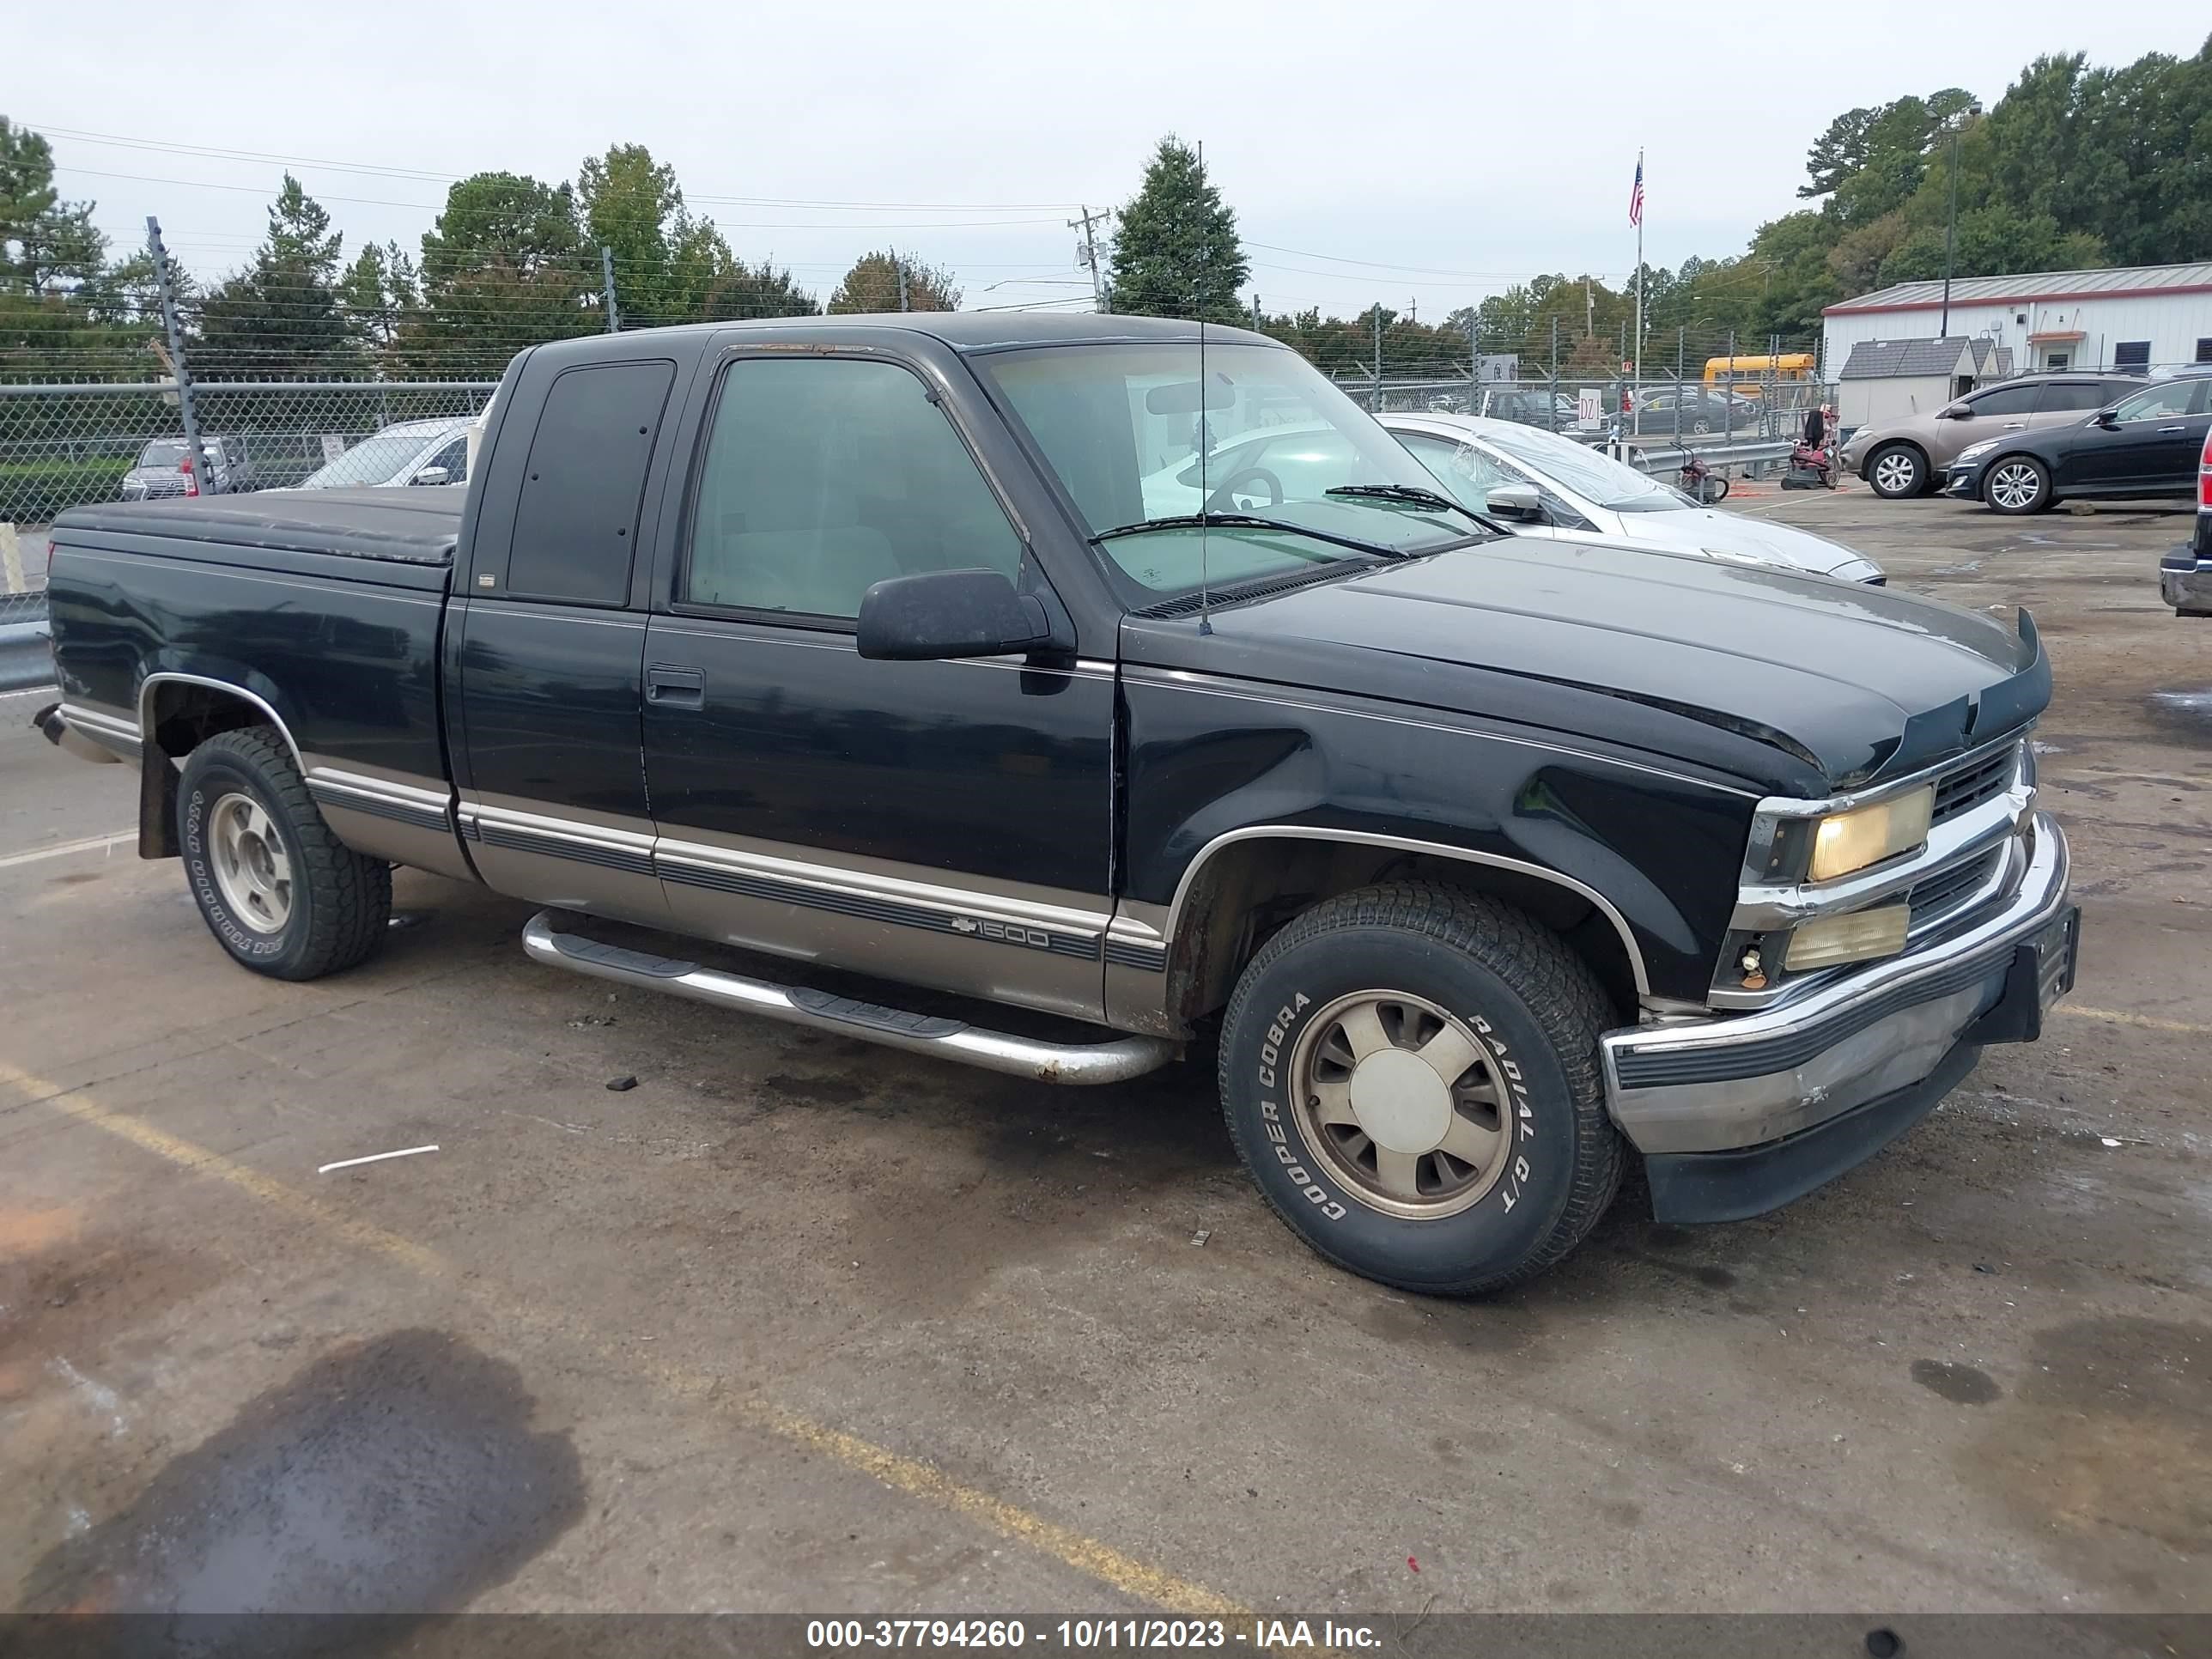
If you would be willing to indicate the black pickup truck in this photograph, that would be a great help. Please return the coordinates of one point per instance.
(923, 648)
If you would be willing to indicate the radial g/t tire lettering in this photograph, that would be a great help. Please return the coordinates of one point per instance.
(281, 894)
(1410, 1072)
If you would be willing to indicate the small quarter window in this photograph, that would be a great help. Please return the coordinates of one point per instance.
(576, 528)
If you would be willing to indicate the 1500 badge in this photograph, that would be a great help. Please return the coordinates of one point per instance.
(1006, 933)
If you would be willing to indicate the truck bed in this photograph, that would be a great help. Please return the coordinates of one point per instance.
(402, 526)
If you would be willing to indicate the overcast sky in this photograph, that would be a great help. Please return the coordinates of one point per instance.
(1430, 153)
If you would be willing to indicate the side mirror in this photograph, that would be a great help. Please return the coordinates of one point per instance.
(950, 613)
(1958, 412)
(1518, 502)
(432, 475)
(2107, 418)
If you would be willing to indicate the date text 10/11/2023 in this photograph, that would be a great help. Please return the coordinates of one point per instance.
(1084, 1635)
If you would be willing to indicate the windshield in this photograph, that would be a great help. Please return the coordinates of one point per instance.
(371, 461)
(161, 454)
(1611, 484)
(1122, 427)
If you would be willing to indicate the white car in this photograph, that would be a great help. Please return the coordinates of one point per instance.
(1541, 484)
(405, 452)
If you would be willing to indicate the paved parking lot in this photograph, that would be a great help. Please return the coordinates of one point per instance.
(798, 1324)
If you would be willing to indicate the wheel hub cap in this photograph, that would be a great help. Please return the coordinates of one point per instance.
(1401, 1102)
(251, 865)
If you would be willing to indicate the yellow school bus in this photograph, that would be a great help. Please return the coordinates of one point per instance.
(1748, 376)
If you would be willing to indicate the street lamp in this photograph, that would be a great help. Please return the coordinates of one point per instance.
(1954, 126)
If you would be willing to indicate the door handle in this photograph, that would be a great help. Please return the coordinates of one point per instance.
(2163, 430)
(2015, 426)
(667, 686)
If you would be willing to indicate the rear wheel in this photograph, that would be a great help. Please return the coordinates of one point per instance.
(1897, 470)
(2017, 483)
(1410, 1072)
(280, 892)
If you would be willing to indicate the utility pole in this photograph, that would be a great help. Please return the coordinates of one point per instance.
(1377, 405)
(607, 270)
(1091, 253)
(1255, 311)
(1590, 312)
(165, 284)
(899, 265)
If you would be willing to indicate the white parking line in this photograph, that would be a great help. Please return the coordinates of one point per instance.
(62, 849)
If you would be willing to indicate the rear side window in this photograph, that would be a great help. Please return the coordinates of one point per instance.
(575, 527)
(2073, 394)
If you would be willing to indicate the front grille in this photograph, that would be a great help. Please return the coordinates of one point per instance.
(1968, 787)
(1935, 896)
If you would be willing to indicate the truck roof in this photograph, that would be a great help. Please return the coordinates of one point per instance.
(409, 526)
(963, 330)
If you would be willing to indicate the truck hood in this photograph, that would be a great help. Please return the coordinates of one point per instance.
(1796, 682)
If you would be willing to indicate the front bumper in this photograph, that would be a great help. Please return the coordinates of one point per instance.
(1964, 482)
(2184, 581)
(1736, 1084)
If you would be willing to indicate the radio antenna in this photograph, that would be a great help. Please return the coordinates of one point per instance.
(1205, 500)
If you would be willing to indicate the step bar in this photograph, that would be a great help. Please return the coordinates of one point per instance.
(1113, 1062)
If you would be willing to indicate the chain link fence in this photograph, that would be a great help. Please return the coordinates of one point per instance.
(63, 446)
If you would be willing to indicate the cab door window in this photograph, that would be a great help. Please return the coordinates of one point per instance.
(824, 476)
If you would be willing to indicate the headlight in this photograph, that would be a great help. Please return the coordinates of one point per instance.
(1975, 452)
(1844, 842)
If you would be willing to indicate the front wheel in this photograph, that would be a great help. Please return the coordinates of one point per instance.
(279, 892)
(1897, 472)
(1410, 1072)
(2017, 483)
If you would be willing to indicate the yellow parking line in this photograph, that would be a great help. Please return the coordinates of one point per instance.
(911, 1475)
(2147, 1022)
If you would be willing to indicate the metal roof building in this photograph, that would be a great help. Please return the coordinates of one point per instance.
(2137, 317)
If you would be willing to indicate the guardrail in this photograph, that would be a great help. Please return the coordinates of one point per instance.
(1723, 457)
(27, 658)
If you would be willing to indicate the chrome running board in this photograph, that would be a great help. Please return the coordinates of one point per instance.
(1112, 1061)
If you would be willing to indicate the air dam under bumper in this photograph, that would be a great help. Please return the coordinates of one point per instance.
(1739, 1114)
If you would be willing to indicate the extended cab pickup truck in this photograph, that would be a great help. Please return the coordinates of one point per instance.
(854, 640)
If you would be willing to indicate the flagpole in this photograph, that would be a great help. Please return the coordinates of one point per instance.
(1636, 403)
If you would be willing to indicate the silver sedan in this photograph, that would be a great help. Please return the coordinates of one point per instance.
(1541, 484)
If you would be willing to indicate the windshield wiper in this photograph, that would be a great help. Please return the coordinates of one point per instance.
(1255, 521)
(1410, 493)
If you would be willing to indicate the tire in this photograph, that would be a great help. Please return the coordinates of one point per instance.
(2016, 484)
(280, 892)
(1544, 1159)
(1701, 425)
(1897, 470)
(1714, 490)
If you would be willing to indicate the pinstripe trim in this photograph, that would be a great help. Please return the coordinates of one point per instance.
(1150, 958)
(419, 809)
(722, 878)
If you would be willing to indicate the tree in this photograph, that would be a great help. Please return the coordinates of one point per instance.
(872, 284)
(281, 314)
(381, 296)
(666, 262)
(762, 290)
(1176, 247)
(1993, 239)
(503, 268)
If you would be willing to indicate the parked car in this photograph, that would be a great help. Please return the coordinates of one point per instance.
(1911, 456)
(160, 470)
(1551, 487)
(434, 451)
(1703, 410)
(2185, 576)
(2146, 444)
(1525, 407)
(1495, 867)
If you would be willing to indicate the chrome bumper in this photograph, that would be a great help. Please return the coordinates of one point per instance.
(2187, 586)
(1738, 1080)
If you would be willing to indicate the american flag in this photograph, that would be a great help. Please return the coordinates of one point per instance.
(1636, 196)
